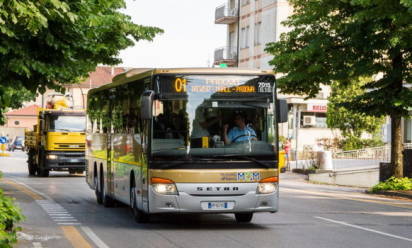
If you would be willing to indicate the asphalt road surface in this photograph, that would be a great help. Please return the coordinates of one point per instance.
(61, 211)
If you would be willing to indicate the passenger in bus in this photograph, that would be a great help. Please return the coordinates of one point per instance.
(241, 132)
(203, 123)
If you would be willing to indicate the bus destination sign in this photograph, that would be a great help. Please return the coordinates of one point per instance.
(185, 85)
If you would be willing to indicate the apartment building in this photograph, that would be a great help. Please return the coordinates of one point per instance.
(251, 24)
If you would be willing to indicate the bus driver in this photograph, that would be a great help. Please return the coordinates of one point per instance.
(241, 132)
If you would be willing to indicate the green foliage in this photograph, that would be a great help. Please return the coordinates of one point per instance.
(341, 41)
(351, 123)
(355, 142)
(394, 183)
(9, 216)
(49, 43)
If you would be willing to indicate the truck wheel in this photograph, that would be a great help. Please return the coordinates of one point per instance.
(32, 170)
(44, 172)
(31, 164)
(244, 217)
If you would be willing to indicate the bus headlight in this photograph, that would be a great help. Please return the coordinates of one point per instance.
(51, 156)
(267, 186)
(163, 186)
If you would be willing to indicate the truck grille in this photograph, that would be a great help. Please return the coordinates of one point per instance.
(70, 146)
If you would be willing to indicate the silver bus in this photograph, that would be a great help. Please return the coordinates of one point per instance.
(186, 141)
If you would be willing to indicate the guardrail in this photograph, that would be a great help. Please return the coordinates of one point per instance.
(224, 54)
(226, 15)
(382, 153)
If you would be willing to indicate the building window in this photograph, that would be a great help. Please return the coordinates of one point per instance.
(408, 130)
(247, 37)
(16, 123)
(257, 33)
(242, 37)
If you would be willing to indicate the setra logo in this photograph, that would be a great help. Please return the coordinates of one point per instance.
(217, 189)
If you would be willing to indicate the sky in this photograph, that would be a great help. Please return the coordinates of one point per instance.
(190, 34)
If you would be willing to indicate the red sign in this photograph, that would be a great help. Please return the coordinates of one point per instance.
(317, 108)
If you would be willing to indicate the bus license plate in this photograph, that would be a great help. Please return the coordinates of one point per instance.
(217, 205)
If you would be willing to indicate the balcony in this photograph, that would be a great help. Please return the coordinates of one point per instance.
(225, 15)
(226, 55)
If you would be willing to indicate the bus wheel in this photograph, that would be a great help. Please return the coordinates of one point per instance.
(244, 217)
(139, 216)
(106, 199)
(97, 191)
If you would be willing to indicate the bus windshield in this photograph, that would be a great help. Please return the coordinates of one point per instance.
(213, 117)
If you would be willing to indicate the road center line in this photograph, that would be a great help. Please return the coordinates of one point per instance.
(363, 228)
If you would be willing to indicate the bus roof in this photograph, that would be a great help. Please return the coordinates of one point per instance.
(139, 73)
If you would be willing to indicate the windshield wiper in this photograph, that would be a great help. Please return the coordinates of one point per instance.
(63, 130)
(243, 157)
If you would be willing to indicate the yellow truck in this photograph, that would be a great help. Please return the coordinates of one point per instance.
(57, 142)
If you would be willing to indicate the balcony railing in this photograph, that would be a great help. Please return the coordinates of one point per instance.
(226, 15)
(226, 55)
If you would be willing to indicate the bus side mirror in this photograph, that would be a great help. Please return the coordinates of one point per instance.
(146, 107)
(282, 111)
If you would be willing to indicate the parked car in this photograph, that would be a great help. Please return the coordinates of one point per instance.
(18, 143)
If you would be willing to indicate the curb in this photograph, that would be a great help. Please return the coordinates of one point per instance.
(407, 194)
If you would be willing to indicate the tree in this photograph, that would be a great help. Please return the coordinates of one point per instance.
(342, 40)
(351, 123)
(49, 43)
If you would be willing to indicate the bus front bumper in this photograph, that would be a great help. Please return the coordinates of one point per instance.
(187, 202)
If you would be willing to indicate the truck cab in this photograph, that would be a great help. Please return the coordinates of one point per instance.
(57, 142)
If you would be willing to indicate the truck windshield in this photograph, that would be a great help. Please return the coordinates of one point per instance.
(214, 117)
(67, 123)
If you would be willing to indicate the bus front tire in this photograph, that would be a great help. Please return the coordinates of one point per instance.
(138, 215)
(243, 217)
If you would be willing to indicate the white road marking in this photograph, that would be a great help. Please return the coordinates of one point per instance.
(58, 213)
(363, 228)
(96, 240)
(37, 245)
(50, 202)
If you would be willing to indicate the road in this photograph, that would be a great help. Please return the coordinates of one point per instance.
(61, 211)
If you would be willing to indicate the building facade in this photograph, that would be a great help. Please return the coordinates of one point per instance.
(251, 24)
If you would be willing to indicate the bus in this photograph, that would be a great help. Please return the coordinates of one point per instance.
(163, 141)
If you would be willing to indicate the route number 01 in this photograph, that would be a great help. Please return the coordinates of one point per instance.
(180, 85)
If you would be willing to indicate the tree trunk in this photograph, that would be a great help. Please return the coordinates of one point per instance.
(396, 146)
